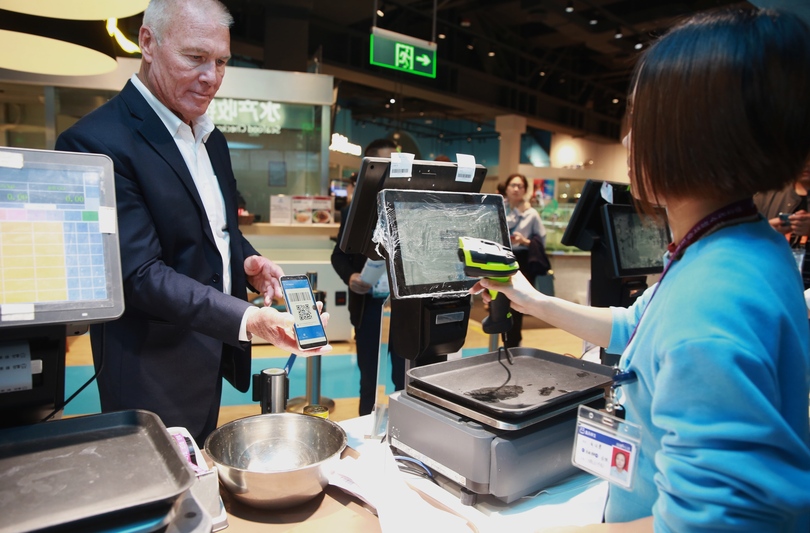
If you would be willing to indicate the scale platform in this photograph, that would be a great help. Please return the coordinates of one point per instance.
(492, 431)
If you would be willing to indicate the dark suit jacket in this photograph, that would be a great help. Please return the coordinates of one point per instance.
(179, 332)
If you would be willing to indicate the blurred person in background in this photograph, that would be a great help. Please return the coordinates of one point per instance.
(528, 238)
(787, 212)
(365, 307)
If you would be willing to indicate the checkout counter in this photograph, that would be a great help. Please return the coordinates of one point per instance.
(496, 460)
(578, 500)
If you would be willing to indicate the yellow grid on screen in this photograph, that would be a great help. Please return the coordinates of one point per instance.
(32, 262)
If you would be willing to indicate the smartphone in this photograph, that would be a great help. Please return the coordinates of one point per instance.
(784, 218)
(301, 304)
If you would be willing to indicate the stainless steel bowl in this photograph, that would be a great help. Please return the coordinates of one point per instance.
(273, 461)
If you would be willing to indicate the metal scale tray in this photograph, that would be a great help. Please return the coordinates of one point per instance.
(90, 473)
(535, 386)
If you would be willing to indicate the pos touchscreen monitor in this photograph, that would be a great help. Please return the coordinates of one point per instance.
(421, 237)
(585, 228)
(59, 256)
(635, 244)
(374, 176)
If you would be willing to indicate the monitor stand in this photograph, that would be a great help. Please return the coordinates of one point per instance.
(609, 291)
(425, 330)
(422, 331)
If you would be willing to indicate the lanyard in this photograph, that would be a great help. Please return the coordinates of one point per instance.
(735, 213)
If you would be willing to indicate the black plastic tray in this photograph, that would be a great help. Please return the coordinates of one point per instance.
(108, 468)
(535, 380)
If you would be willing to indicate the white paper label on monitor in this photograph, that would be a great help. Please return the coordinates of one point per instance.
(607, 192)
(401, 165)
(16, 312)
(106, 219)
(15, 367)
(466, 167)
(11, 159)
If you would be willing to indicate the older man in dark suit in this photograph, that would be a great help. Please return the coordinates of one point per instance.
(186, 267)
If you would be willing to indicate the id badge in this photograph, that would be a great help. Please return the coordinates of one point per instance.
(606, 446)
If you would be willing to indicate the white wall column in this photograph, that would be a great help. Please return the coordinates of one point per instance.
(511, 127)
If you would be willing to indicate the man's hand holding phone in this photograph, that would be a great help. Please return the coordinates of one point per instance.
(278, 328)
(800, 223)
(306, 313)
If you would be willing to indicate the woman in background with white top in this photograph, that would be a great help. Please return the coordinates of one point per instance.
(525, 226)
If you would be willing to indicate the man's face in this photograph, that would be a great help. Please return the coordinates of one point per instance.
(187, 67)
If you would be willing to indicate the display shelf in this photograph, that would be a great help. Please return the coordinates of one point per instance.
(263, 228)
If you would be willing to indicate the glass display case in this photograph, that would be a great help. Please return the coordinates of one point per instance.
(555, 211)
(277, 123)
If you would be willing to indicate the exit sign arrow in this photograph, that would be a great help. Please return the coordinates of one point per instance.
(402, 52)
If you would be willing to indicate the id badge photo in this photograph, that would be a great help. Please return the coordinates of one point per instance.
(606, 446)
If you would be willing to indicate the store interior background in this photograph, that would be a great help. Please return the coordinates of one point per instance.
(531, 86)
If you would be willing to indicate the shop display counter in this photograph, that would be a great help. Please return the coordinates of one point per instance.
(305, 230)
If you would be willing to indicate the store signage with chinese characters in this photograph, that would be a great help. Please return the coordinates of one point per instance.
(254, 117)
(340, 143)
(402, 52)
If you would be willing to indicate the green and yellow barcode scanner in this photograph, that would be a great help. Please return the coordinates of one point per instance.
(489, 259)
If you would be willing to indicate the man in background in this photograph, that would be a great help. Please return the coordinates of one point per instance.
(787, 213)
(365, 308)
(186, 267)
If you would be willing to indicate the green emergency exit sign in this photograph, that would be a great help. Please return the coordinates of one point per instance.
(402, 52)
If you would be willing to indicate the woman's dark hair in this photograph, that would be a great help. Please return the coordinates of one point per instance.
(721, 106)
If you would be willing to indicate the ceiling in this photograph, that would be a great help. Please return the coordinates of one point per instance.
(565, 71)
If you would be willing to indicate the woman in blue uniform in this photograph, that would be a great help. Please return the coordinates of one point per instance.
(718, 348)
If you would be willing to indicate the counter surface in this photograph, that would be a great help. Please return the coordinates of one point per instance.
(264, 228)
(332, 510)
(578, 500)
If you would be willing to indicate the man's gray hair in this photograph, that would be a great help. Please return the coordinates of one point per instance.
(160, 15)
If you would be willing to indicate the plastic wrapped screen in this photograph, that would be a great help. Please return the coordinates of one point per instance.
(419, 232)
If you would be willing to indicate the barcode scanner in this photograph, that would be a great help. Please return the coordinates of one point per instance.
(489, 259)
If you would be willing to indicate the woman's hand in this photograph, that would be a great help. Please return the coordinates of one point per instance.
(517, 290)
(590, 323)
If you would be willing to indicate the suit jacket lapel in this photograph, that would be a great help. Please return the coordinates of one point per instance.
(155, 133)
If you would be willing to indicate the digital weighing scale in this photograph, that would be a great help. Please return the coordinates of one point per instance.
(502, 423)
(492, 427)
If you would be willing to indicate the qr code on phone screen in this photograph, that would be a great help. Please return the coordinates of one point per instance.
(304, 312)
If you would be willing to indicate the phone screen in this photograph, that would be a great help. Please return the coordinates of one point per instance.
(301, 304)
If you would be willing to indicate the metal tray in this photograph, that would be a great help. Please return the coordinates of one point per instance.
(535, 380)
(100, 468)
